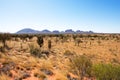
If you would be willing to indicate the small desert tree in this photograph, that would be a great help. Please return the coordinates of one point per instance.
(57, 40)
(3, 38)
(81, 66)
(40, 41)
(78, 41)
(49, 44)
(74, 37)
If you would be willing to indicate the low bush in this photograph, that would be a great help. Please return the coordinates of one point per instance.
(68, 53)
(81, 66)
(35, 51)
(106, 72)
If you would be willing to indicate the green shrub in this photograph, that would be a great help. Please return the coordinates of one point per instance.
(106, 72)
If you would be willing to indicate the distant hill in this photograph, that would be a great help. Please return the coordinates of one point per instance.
(68, 31)
(56, 32)
(45, 31)
(27, 31)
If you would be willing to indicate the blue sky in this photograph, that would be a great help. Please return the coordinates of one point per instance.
(95, 15)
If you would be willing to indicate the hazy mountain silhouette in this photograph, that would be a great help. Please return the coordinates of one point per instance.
(68, 31)
(27, 31)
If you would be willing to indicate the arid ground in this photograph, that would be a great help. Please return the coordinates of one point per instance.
(22, 58)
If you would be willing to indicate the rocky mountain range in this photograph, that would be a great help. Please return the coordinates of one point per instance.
(68, 31)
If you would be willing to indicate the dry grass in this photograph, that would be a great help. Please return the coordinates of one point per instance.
(4, 77)
(46, 64)
(98, 50)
